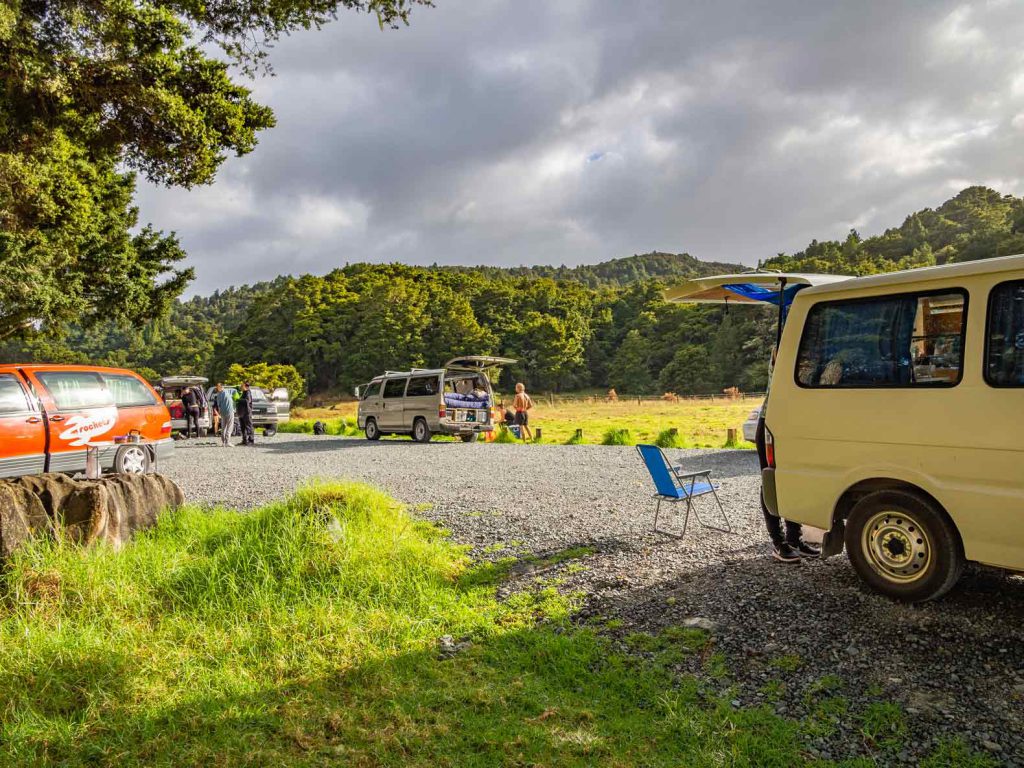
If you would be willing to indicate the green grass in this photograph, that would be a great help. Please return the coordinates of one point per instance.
(339, 426)
(616, 436)
(306, 633)
(670, 438)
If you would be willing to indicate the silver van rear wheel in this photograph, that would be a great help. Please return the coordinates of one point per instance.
(903, 546)
(420, 431)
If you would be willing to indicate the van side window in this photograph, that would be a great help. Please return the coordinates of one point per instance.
(12, 395)
(76, 389)
(906, 340)
(394, 387)
(421, 385)
(128, 391)
(1004, 335)
(372, 389)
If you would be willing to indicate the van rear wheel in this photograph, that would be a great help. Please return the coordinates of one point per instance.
(470, 438)
(903, 546)
(420, 431)
(132, 460)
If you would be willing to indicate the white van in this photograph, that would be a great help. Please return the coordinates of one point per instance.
(895, 421)
(455, 400)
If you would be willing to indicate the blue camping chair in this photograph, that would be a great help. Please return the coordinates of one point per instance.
(674, 485)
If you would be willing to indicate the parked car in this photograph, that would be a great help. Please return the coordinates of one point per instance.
(894, 422)
(267, 411)
(454, 400)
(750, 425)
(170, 387)
(50, 415)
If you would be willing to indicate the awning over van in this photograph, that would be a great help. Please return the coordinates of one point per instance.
(479, 361)
(746, 288)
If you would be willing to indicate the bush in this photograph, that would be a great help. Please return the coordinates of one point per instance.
(576, 439)
(670, 438)
(618, 437)
(505, 436)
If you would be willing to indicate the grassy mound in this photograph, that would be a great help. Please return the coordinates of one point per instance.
(670, 438)
(505, 436)
(616, 436)
(306, 633)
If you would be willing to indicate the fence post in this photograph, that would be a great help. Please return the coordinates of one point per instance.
(731, 436)
(579, 434)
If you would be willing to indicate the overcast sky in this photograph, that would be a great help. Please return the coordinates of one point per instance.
(515, 132)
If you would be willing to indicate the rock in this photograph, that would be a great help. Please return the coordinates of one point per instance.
(699, 622)
(82, 511)
(991, 746)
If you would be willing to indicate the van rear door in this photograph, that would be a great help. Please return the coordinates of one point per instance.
(80, 409)
(22, 430)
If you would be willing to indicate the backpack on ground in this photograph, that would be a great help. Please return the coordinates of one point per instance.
(319, 428)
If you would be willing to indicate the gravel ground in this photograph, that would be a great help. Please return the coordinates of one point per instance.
(956, 666)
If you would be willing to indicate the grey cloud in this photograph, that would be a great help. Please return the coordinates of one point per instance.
(511, 132)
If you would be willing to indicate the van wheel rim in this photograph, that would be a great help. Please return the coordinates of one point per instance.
(421, 430)
(133, 462)
(897, 546)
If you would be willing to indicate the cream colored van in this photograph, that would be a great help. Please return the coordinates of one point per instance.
(895, 421)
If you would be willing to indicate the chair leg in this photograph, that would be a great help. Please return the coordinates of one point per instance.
(686, 520)
(657, 509)
(728, 524)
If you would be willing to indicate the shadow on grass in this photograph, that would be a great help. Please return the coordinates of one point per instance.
(546, 696)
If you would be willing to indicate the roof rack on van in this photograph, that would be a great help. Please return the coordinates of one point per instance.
(396, 373)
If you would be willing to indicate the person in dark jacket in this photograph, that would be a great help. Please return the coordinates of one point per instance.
(191, 405)
(244, 414)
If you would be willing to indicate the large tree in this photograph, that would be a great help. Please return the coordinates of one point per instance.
(93, 91)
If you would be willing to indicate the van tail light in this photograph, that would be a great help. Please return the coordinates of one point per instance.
(769, 447)
(441, 412)
(165, 428)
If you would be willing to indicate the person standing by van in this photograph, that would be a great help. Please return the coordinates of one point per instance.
(245, 415)
(190, 403)
(522, 405)
(789, 548)
(225, 405)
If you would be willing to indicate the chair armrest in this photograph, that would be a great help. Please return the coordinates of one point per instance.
(702, 473)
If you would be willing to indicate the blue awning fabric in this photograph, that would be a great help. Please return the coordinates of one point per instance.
(763, 293)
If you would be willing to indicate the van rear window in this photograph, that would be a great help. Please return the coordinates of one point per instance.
(1004, 336)
(420, 386)
(907, 340)
(129, 391)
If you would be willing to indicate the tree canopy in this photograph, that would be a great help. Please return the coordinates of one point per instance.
(93, 91)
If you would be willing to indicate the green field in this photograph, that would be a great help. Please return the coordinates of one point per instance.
(307, 633)
(698, 423)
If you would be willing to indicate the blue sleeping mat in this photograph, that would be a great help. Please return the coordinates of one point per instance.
(465, 401)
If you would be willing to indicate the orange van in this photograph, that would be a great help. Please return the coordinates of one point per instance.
(50, 414)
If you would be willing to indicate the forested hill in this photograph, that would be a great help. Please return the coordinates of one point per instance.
(616, 273)
(604, 325)
(978, 223)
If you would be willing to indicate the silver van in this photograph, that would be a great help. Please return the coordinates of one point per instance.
(454, 400)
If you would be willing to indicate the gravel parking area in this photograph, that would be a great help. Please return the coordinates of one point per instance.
(793, 637)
